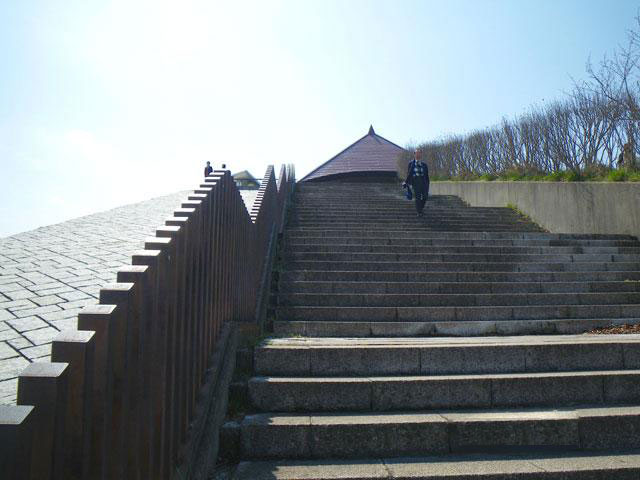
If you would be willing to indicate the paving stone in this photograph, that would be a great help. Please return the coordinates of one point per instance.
(20, 294)
(6, 351)
(40, 351)
(10, 287)
(78, 303)
(91, 290)
(28, 312)
(17, 304)
(7, 278)
(41, 335)
(8, 391)
(8, 334)
(73, 295)
(92, 280)
(57, 291)
(27, 323)
(24, 304)
(47, 300)
(41, 287)
(61, 314)
(61, 275)
(70, 323)
(11, 367)
(20, 343)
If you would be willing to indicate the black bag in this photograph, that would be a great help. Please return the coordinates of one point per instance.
(408, 193)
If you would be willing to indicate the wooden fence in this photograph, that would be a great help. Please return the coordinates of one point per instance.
(118, 396)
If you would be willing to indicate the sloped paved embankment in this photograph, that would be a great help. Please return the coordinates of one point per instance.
(47, 275)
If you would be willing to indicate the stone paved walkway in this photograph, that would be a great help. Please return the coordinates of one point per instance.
(47, 275)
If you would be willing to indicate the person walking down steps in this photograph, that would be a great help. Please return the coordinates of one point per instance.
(418, 178)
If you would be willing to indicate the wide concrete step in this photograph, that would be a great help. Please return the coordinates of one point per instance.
(350, 204)
(455, 299)
(455, 313)
(533, 465)
(423, 225)
(319, 205)
(458, 277)
(412, 393)
(420, 230)
(416, 227)
(404, 210)
(463, 266)
(336, 208)
(480, 235)
(453, 249)
(471, 257)
(325, 357)
(436, 328)
(308, 206)
(407, 215)
(453, 242)
(456, 287)
(349, 200)
(408, 207)
(363, 435)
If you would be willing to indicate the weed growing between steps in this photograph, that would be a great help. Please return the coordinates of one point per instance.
(519, 212)
(616, 330)
(523, 216)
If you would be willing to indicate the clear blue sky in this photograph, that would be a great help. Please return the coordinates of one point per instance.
(106, 103)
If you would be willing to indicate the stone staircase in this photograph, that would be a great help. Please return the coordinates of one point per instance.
(444, 347)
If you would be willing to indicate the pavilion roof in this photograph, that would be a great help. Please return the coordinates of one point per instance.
(243, 175)
(371, 153)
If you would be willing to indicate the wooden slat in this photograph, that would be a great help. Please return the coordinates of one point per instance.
(77, 349)
(44, 386)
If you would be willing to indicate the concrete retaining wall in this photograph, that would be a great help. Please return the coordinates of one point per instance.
(593, 207)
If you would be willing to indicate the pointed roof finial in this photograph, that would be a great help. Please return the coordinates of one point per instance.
(371, 132)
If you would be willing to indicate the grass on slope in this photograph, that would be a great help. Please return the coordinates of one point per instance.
(601, 175)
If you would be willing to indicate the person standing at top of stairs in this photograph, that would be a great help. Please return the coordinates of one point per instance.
(418, 178)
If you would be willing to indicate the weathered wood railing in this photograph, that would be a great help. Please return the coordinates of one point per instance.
(118, 396)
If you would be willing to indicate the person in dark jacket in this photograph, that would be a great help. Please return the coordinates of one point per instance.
(208, 169)
(418, 178)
